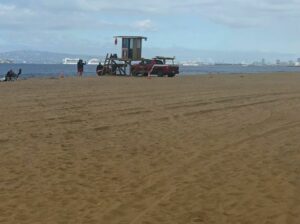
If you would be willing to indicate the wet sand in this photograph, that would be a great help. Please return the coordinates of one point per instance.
(197, 149)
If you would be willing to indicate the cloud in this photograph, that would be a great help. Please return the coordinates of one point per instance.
(76, 22)
(245, 13)
(144, 25)
(11, 16)
(232, 13)
(69, 15)
(4, 9)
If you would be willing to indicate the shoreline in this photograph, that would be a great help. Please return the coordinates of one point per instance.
(59, 76)
(55, 70)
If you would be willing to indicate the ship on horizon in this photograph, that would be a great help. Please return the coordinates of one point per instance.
(94, 61)
(70, 61)
(74, 61)
(191, 63)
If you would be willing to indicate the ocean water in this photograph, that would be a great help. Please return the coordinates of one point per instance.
(55, 70)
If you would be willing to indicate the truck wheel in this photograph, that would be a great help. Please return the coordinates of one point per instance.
(160, 74)
(171, 75)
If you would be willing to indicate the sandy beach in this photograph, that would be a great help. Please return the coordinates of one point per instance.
(196, 149)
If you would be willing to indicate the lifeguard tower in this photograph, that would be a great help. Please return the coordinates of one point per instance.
(131, 51)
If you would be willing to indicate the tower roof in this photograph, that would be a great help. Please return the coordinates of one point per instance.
(131, 37)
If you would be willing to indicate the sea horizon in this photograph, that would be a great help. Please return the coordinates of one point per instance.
(46, 70)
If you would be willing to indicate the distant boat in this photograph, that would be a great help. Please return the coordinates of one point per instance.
(70, 61)
(94, 61)
(190, 64)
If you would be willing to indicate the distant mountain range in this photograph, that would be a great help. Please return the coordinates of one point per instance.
(208, 56)
(41, 57)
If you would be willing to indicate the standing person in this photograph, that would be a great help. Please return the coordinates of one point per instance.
(80, 65)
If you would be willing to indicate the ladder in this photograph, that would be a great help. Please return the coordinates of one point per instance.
(112, 67)
(106, 65)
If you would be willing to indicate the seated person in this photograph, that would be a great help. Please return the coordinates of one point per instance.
(10, 75)
(99, 69)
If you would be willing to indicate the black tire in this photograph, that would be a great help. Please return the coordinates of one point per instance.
(171, 75)
(160, 74)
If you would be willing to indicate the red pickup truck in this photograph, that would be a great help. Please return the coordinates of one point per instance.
(156, 66)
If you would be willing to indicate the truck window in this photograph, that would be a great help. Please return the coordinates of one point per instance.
(159, 62)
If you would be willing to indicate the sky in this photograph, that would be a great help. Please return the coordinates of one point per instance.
(231, 27)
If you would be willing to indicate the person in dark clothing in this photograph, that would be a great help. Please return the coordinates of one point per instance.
(80, 65)
(99, 69)
(11, 75)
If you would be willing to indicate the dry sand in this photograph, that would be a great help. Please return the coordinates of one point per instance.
(205, 149)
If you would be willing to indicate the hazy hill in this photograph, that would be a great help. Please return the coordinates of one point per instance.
(44, 57)
(41, 57)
